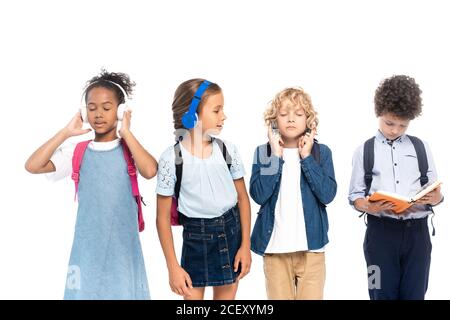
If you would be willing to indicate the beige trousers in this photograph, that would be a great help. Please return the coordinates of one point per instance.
(295, 276)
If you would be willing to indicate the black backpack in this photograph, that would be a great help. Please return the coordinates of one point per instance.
(369, 147)
(369, 154)
(179, 174)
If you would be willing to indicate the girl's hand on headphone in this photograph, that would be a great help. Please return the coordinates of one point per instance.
(125, 127)
(276, 143)
(75, 126)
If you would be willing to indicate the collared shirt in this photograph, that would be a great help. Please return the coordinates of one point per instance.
(395, 169)
(317, 187)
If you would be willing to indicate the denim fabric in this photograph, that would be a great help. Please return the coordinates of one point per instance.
(318, 188)
(207, 188)
(209, 248)
(106, 260)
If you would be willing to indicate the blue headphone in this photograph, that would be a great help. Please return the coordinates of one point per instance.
(189, 119)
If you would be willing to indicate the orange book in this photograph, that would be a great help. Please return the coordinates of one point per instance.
(401, 202)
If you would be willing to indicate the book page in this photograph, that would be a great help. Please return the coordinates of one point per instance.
(386, 195)
(426, 189)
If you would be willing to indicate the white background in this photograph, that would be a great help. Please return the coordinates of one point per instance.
(337, 50)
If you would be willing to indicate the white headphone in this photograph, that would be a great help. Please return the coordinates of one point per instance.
(121, 108)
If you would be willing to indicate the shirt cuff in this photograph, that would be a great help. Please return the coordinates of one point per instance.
(164, 192)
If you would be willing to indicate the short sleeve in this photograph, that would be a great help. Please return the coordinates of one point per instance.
(62, 160)
(166, 173)
(237, 167)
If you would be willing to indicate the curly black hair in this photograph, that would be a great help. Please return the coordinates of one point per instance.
(399, 95)
(105, 79)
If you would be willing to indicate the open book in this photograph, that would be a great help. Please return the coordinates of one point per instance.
(401, 202)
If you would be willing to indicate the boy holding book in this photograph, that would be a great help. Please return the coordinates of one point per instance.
(397, 246)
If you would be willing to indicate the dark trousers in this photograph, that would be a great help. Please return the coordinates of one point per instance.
(398, 255)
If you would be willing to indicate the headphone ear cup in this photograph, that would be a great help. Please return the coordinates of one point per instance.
(121, 110)
(83, 112)
(189, 120)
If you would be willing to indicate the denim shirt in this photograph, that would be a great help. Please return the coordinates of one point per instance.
(318, 188)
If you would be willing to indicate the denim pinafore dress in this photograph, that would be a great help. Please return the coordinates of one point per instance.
(106, 261)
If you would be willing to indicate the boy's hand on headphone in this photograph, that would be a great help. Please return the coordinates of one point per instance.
(305, 143)
(276, 143)
(180, 282)
(75, 126)
(125, 127)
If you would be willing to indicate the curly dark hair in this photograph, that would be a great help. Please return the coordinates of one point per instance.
(399, 95)
(104, 80)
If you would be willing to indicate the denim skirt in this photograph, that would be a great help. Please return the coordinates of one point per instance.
(209, 248)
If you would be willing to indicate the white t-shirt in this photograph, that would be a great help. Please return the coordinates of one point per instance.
(207, 188)
(62, 158)
(289, 231)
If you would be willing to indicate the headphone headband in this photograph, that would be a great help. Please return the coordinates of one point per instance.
(189, 118)
(125, 94)
(121, 107)
(198, 96)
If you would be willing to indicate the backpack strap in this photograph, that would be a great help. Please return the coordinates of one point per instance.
(178, 168)
(369, 160)
(179, 163)
(315, 151)
(174, 214)
(131, 168)
(225, 154)
(421, 158)
(369, 154)
(77, 157)
(423, 168)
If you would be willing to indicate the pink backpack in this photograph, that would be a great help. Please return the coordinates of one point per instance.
(76, 164)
